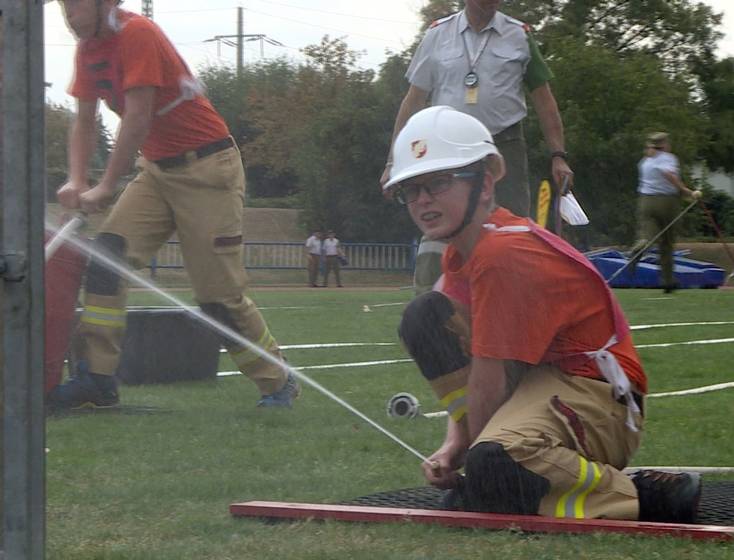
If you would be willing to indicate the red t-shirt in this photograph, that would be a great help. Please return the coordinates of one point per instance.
(138, 55)
(529, 302)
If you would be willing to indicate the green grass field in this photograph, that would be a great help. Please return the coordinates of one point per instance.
(157, 485)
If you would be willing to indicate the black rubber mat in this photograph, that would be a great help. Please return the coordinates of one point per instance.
(717, 501)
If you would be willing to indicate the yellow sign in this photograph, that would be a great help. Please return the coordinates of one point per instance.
(544, 198)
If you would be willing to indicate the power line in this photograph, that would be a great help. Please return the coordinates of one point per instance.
(336, 13)
(194, 11)
(342, 14)
(241, 38)
(322, 26)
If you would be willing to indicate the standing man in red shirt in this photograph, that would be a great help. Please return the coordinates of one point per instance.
(525, 346)
(191, 181)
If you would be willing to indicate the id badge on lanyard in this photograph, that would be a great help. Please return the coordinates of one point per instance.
(471, 80)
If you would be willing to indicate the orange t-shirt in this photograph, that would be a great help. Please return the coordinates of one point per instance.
(530, 302)
(139, 55)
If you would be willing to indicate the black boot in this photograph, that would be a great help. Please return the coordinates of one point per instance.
(455, 499)
(84, 390)
(668, 497)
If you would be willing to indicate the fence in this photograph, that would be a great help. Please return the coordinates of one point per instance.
(290, 255)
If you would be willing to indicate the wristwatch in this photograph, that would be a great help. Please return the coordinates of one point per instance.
(561, 154)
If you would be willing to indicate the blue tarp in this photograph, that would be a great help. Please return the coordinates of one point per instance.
(688, 273)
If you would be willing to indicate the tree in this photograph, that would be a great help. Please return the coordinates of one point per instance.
(320, 130)
(343, 149)
(609, 104)
(253, 107)
(623, 68)
(436, 9)
(718, 89)
(680, 33)
(58, 120)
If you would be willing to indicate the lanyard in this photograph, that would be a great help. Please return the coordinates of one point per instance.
(473, 60)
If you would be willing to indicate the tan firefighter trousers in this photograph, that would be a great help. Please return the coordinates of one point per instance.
(571, 431)
(202, 201)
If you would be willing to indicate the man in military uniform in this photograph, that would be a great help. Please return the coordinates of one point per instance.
(478, 61)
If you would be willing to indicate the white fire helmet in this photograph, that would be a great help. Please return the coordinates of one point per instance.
(436, 139)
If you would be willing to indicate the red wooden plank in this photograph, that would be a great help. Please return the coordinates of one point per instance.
(528, 523)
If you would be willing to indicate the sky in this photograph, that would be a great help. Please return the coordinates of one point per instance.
(371, 27)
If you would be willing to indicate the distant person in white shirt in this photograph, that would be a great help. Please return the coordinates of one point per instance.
(333, 252)
(661, 189)
(313, 256)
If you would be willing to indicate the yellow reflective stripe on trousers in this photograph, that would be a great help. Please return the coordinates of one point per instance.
(104, 316)
(245, 356)
(571, 504)
(455, 403)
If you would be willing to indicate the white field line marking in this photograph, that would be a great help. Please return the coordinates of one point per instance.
(695, 391)
(327, 345)
(333, 366)
(663, 325)
(388, 304)
(701, 470)
(164, 307)
(686, 343)
(658, 345)
(360, 364)
(288, 307)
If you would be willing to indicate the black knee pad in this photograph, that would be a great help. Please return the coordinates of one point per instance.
(497, 484)
(101, 280)
(435, 349)
(219, 312)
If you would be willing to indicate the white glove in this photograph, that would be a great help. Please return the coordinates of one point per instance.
(572, 212)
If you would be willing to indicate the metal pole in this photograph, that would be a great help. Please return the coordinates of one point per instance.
(21, 257)
(650, 243)
(240, 42)
(2, 298)
(147, 8)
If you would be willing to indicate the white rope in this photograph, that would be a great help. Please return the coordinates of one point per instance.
(69, 228)
(686, 343)
(701, 470)
(222, 329)
(665, 325)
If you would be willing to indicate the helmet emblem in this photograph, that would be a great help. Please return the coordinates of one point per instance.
(419, 148)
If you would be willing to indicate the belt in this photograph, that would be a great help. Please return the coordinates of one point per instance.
(512, 132)
(198, 153)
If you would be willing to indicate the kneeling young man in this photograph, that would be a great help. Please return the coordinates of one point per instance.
(524, 345)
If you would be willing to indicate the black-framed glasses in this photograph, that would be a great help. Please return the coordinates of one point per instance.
(408, 192)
